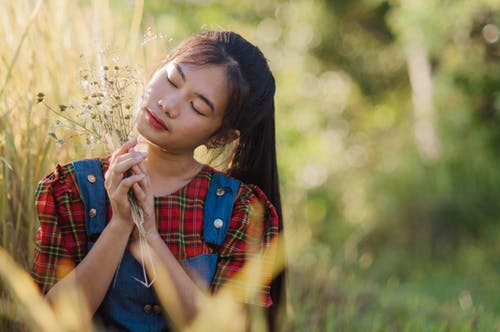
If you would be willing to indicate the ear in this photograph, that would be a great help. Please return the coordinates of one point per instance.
(222, 139)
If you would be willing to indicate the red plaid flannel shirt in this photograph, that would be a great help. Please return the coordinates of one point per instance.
(61, 239)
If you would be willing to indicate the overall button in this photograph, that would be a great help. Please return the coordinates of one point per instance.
(148, 308)
(218, 223)
(157, 309)
(91, 178)
(92, 213)
(220, 191)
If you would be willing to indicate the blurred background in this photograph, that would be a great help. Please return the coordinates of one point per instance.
(388, 116)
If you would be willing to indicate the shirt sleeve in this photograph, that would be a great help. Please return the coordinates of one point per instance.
(247, 255)
(57, 244)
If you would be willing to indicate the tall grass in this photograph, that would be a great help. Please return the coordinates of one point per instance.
(20, 158)
(44, 42)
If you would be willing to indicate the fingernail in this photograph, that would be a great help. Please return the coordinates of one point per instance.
(140, 156)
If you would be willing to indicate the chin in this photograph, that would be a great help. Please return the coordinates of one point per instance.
(148, 139)
(145, 137)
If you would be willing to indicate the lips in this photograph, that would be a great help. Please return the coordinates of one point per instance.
(155, 121)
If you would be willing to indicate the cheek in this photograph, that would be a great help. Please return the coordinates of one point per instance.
(203, 129)
(147, 92)
(153, 91)
(141, 124)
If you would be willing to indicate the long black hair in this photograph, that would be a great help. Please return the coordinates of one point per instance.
(251, 111)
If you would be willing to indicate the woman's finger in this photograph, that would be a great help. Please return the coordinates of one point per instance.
(142, 190)
(126, 147)
(139, 192)
(137, 170)
(146, 182)
(127, 161)
(126, 184)
(117, 171)
(143, 168)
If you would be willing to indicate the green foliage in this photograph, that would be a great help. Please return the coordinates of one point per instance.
(362, 291)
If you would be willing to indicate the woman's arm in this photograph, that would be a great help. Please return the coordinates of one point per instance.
(93, 275)
(252, 226)
(177, 291)
(95, 272)
(174, 287)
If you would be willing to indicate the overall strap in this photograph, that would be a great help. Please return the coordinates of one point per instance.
(90, 181)
(218, 207)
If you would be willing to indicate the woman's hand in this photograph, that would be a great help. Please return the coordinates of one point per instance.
(145, 198)
(118, 183)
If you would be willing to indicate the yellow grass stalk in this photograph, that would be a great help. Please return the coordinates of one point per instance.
(19, 46)
(135, 25)
(21, 286)
(224, 311)
(68, 312)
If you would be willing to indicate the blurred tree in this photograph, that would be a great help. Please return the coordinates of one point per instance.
(424, 67)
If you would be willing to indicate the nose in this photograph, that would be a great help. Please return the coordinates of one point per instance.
(168, 107)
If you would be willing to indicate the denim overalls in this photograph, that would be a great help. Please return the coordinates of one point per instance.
(128, 305)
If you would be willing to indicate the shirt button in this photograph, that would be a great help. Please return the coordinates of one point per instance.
(92, 213)
(91, 178)
(157, 309)
(148, 308)
(218, 223)
(220, 191)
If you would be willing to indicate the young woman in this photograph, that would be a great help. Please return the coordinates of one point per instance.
(215, 89)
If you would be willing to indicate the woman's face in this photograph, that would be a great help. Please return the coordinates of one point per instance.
(183, 106)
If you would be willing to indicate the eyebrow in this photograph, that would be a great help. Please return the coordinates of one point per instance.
(202, 97)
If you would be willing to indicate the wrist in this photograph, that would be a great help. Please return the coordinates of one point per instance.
(152, 235)
(120, 226)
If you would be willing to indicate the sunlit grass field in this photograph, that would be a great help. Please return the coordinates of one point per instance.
(336, 282)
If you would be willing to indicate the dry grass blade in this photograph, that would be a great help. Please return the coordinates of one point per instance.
(136, 23)
(67, 313)
(22, 287)
(19, 46)
(224, 311)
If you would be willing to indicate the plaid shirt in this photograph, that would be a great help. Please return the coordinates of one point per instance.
(61, 240)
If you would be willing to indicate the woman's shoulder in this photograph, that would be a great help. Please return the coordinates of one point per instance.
(244, 189)
(250, 196)
(63, 176)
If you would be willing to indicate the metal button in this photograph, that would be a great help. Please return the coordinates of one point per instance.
(92, 213)
(157, 309)
(218, 223)
(148, 308)
(91, 178)
(220, 191)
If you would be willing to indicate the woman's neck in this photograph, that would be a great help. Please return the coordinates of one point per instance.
(163, 164)
(170, 171)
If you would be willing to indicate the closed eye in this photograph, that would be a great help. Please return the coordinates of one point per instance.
(171, 82)
(195, 109)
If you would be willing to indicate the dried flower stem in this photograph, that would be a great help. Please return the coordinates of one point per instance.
(106, 116)
(138, 217)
